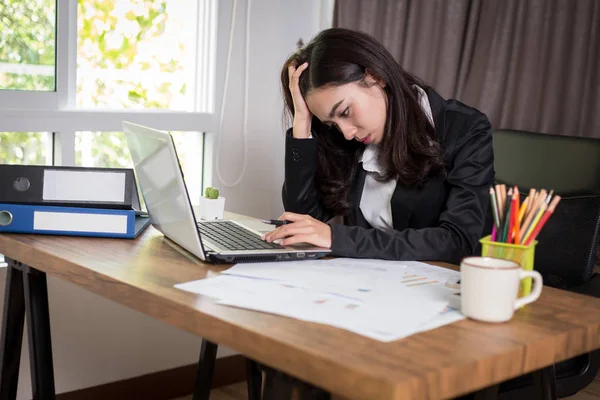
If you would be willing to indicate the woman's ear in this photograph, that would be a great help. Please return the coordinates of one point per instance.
(373, 79)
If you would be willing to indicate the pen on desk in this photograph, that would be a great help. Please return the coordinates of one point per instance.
(276, 222)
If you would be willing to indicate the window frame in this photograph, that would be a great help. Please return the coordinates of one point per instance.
(43, 111)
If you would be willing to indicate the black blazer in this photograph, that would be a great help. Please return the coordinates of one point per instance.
(441, 221)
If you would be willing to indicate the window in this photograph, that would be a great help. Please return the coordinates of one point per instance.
(137, 54)
(27, 45)
(26, 148)
(72, 71)
(109, 149)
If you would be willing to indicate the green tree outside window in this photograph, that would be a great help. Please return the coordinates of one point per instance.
(113, 41)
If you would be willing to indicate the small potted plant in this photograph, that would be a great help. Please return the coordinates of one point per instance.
(212, 206)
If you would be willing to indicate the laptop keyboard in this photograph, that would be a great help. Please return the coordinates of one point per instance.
(231, 236)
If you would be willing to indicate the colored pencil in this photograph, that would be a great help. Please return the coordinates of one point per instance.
(539, 199)
(511, 215)
(523, 209)
(494, 233)
(499, 202)
(504, 200)
(534, 222)
(517, 222)
(515, 216)
(549, 197)
(542, 197)
(494, 207)
(542, 222)
(531, 196)
(506, 223)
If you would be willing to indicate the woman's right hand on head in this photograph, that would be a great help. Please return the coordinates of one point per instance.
(302, 115)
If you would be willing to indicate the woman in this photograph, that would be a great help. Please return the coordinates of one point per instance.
(409, 171)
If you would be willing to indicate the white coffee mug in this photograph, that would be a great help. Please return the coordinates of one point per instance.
(489, 288)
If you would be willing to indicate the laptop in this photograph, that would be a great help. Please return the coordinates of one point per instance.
(160, 178)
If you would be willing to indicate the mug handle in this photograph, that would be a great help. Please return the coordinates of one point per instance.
(536, 291)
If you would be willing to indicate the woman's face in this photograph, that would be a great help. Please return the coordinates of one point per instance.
(357, 109)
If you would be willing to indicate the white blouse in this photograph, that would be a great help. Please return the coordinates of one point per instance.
(375, 202)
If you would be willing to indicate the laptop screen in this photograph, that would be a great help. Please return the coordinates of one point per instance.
(161, 181)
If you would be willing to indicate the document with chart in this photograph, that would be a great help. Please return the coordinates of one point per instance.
(383, 300)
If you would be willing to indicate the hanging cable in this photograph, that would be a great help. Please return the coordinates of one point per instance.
(246, 85)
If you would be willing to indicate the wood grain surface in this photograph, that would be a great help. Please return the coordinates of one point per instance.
(445, 362)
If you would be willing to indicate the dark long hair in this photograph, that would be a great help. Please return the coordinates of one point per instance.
(409, 150)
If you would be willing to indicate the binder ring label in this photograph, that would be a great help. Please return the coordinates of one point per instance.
(5, 218)
(21, 184)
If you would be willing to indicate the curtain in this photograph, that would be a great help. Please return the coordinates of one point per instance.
(528, 64)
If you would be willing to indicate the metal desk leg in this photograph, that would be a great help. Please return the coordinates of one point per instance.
(38, 329)
(309, 392)
(544, 381)
(279, 386)
(488, 393)
(253, 379)
(11, 340)
(206, 367)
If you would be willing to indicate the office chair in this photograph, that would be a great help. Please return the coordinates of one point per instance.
(568, 244)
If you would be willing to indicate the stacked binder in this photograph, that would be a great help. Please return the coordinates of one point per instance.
(74, 201)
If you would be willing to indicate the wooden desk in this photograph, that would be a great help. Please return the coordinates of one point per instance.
(442, 363)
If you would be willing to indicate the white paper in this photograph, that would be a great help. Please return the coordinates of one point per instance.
(382, 300)
(67, 185)
(380, 322)
(366, 320)
(375, 280)
(323, 275)
(445, 317)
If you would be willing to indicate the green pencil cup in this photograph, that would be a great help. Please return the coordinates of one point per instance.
(522, 255)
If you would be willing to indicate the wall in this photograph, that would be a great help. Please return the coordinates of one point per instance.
(96, 341)
(276, 26)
